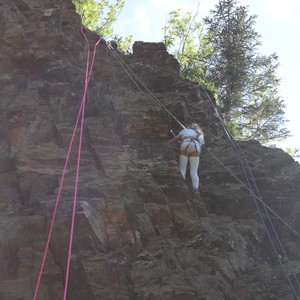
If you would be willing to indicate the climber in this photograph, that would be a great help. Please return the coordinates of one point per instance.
(191, 140)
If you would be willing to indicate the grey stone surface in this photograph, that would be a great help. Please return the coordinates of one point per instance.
(139, 233)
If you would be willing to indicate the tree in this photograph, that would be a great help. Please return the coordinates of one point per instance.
(295, 153)
(246, 82)
(185, 39)
(124, 43)
(99, 16)
(223, 56)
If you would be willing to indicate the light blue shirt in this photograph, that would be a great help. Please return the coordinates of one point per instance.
(191, 133)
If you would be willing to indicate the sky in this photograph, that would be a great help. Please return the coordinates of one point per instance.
(278, 23)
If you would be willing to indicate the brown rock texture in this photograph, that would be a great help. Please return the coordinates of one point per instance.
(139, 234)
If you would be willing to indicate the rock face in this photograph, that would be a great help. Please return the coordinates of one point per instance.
(138, 232)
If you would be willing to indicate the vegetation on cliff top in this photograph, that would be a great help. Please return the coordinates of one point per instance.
(221, 53)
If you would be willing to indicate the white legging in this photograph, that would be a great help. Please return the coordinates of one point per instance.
(194, 164)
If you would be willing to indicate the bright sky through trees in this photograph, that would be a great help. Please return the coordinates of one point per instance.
(278, 22)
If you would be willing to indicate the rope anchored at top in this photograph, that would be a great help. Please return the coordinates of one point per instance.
(262, 208)
(89, 68)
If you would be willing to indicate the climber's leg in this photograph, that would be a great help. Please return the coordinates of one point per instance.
(183, 161)
(194, 164)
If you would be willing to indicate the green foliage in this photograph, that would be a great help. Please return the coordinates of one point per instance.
(230, 57)
(246, 82)
(4, 107)
(293, 152)
(99, 16)
(124, 43)
(233, 127)
(184, 38)
(222, 55)
(15, 177)
(12, 158)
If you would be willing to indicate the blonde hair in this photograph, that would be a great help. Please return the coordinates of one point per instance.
(196, 127)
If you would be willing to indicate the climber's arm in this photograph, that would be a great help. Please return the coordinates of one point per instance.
(174, 139)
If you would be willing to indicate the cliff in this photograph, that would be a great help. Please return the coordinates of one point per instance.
(138, 232)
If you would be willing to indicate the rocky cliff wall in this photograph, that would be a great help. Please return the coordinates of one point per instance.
(138, 232)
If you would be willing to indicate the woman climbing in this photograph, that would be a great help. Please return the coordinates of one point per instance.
(191, 139)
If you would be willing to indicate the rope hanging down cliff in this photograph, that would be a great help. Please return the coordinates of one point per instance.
(80, 115)
(132, 75)
(136, 80)
(262, 209)
(251, 185)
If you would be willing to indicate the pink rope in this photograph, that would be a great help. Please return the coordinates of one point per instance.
(77, 171)
(81, 112)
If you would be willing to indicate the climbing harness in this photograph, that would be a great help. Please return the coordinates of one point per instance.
(132, 75)
(262, 208)
(185, 151)
(80, 116)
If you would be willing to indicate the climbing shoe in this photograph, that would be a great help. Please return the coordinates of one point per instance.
(196, 194)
